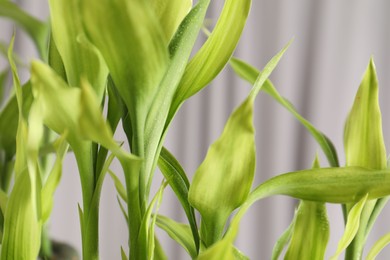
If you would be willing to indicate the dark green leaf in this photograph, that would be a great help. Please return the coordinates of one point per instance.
(177, 179)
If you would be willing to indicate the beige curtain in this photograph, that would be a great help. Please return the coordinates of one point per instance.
(320, 73)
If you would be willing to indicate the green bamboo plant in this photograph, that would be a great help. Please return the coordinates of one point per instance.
(132, 59)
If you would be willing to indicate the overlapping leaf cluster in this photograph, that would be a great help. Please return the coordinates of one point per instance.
(133, 59)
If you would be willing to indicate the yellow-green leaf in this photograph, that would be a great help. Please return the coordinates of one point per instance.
(215, 53)
(53, 180)
(179, 232)
(132, 44)
(249, 73)
(352, 226)
(22, 219)
(364, 145)
(171, 14)
(310, 225)
(80, 57)
(363, 138)
(229, 167)
(378, 246)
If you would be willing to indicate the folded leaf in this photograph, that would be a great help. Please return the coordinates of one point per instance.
(229, 166)
(176, 177)
(136, 71)
(80, 57)
(310, 225)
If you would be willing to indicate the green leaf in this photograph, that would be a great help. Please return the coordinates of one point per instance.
(123, 254)
(91, 123)
(363, 138)
(215, 53)
(79, 108)
(352, 226)
(312, 226)
(170, 14)
(115, 111)
(55, 60)
(57, 98)
(123, 209)
(90, 219)
(80, 57)
(146, 236)
(37, 30)
(180, 49)
(283, 240)
(179, 232)
(229, 165)
(3, 201)
(136, 71)
(378, 246)
(22, 220)
(131, 168)
(118, 186)
(249, 73)
(364, 145)
(53, 180)
(239, 255)
(223, 249)
(9, 117)
(334, 185)
(22, 227)
(176, 177)
(3, 80)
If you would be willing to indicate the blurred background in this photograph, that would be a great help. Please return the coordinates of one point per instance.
(319, 74)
